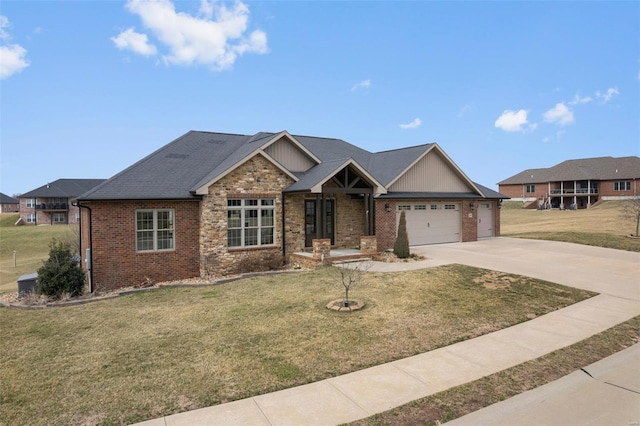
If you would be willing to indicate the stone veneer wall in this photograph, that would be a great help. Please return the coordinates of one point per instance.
(257, 178)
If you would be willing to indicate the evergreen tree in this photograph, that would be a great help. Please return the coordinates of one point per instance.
(61, 273)
(401, 247)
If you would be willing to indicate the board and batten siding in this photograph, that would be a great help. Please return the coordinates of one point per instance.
(430, 174)
(290, 156)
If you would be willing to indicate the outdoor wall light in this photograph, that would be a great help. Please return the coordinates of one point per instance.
(387, 207)
(472, 206)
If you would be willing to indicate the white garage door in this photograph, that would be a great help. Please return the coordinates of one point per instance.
(485, 220)
(431, 223)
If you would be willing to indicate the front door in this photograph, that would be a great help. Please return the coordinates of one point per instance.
(313, 226)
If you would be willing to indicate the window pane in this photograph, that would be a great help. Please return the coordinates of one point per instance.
(266, 236)
(268, 202)
(251, 237)
(234, 219)
(165, 219)
(250, 202)
(250, 218)
(165, 240)
(234, 238)
(145, 240)
(234, 203)
(145, 221)
(267, 218)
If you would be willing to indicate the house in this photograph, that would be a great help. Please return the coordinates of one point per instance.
(215, 204)
(8, 204)
(50, 204)
(575, 183)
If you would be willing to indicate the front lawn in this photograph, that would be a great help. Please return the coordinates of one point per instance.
(164, 351)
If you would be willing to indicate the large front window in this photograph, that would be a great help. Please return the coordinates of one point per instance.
(250, 222)
(155, 230)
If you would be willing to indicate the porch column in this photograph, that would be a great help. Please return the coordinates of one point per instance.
(319, 216)
(323, 218)
(372, 215)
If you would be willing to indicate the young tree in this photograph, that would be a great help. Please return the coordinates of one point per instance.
(351, 275)
(401, 247)
(631, 210)
(61, 273)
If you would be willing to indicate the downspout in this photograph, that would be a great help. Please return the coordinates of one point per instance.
(77, 204)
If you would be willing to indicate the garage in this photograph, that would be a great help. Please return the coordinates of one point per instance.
(485, 220)
(431, 223)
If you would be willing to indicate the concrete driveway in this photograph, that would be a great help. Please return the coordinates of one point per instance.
(606, 271)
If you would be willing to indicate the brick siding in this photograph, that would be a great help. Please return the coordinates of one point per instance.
(117, 263)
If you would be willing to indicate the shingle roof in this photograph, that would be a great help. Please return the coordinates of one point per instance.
(5, 199)
(599, 168)
(63, 188)
(191, 161)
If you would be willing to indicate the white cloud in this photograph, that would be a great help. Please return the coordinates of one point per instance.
(12, 56)
(606, 97)
(577, 99)
(560, 114)
(216, 38)
(364, 84)
(512, 121)
(136, 42)
(412, 125)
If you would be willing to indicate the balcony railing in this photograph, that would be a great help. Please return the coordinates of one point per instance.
(574, 191)
(51, 206)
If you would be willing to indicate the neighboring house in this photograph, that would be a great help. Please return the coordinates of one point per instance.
(213, 204)
(50, 204)
(575, 183)
(8, 204)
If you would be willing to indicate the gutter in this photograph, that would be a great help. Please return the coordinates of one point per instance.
(89, 260)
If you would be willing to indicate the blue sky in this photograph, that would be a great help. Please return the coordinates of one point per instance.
(88, 88)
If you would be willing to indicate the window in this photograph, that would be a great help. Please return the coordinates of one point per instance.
(31, 203)
(449, 206)
(154, 230)
(31, 218)
(434, 207)
(59, 218)
(531, 189)
(404, 207)
(420, 207)
(624, 185)
(250, 222)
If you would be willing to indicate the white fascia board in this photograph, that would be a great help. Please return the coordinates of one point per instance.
(204, 189)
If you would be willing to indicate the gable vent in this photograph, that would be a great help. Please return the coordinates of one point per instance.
(176, 156)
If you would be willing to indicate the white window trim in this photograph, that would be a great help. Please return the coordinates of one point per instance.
(31, 203)
(31, 218)
(155, 230)
(243, 208)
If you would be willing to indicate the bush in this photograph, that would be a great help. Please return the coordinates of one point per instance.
(61, 273)
(401, 247)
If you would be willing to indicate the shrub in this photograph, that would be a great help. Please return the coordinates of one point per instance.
(61, 273)
(401, 247)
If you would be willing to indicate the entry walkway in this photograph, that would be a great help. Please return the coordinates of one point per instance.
(363, 393)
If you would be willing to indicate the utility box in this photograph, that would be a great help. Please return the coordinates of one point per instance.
(27, 283)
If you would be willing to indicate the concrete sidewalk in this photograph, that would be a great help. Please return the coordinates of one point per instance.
(363, 393)
(606, 392)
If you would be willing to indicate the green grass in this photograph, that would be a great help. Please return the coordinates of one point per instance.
(31, 244)
(159, 352)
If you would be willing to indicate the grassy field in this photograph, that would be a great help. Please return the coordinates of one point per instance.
(31, 244)
(163, 351)
(601, 225)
